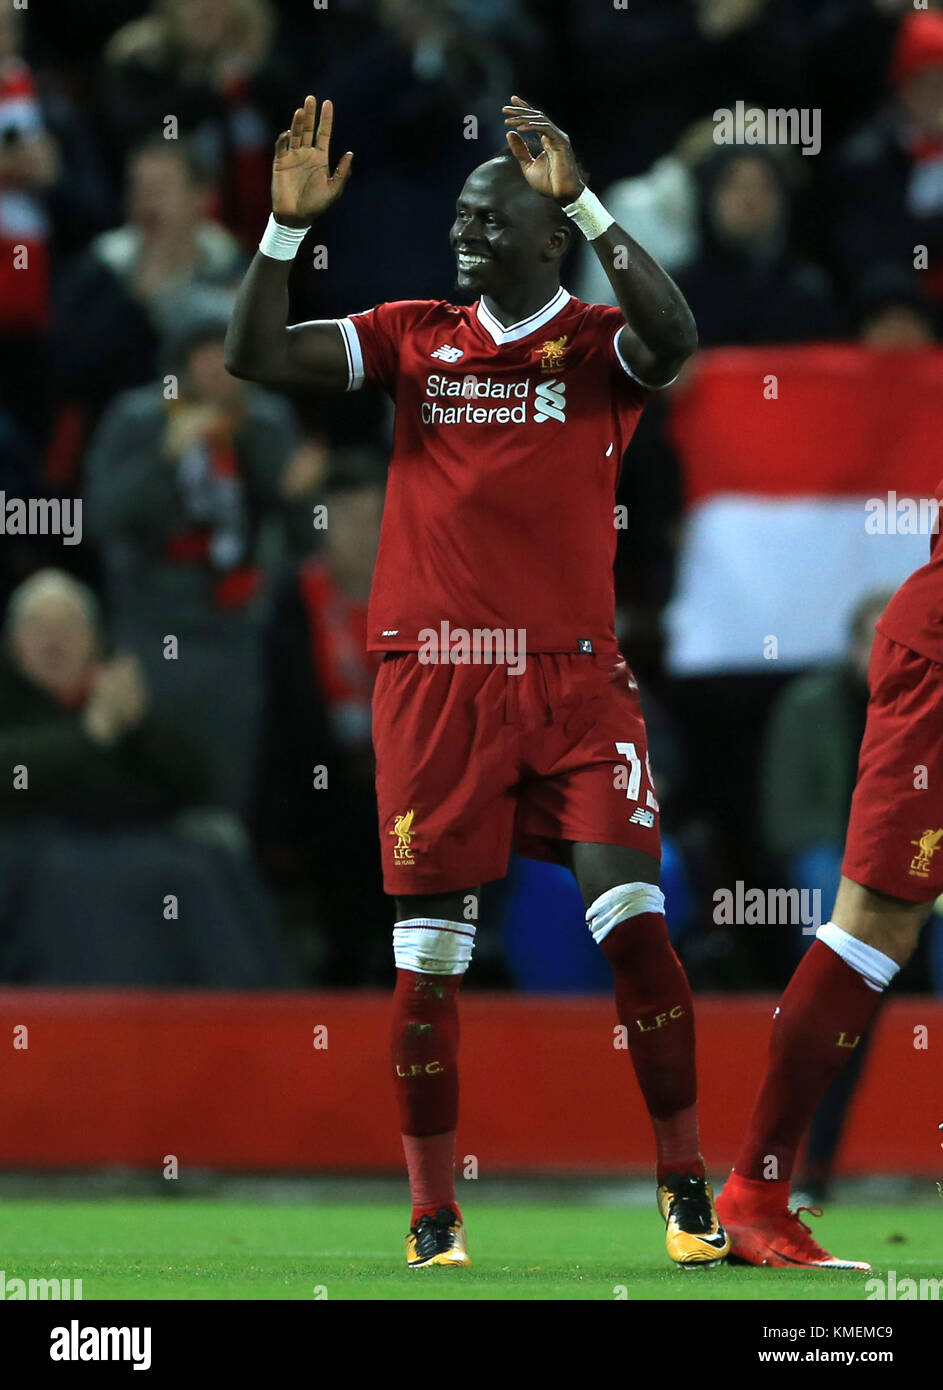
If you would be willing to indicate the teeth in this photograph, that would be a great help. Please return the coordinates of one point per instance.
(466, 261)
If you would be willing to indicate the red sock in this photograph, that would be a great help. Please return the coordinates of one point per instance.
(654, 1004)
(825, 1010)
(425, 1073)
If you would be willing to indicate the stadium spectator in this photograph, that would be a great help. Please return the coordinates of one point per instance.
(103, 813)
(810, 759)
(45, 192)
(649, 70)
(191, 499)
(661, 207)
(747, 286)
(318, 835)
(209, 65)
(119, 298)
(892, 313)
(886, 181)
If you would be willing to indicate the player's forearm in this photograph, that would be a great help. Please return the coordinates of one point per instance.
(256, 346)
(653, 306)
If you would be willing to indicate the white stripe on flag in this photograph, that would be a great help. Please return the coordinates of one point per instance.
(752, 568)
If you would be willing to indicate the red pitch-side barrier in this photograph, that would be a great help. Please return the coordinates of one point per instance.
(236, 1081)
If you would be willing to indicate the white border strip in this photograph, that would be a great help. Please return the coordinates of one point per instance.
(629, 372)
(515, 331)
(354, 353)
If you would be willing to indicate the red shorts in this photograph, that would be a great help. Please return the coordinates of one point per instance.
(472, 760)
(895, 832)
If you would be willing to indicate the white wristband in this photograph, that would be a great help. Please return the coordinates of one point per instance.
(589, 215)
(281, 243)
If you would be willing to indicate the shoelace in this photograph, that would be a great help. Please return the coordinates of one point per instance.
(807, 1241)
(429, 1229)
(691, 1205)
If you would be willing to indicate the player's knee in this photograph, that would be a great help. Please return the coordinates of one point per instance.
(432, 946)
(888, 939)
(897, 939)
(621, 904)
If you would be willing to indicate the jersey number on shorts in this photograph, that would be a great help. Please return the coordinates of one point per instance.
(633, 790)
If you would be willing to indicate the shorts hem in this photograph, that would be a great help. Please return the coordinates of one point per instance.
(442, 883)
(583, 836)
(871, 879)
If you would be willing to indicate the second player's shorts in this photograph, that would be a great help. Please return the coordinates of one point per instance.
(472, 760)
(895, 831)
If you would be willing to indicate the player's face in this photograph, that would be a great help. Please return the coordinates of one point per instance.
(501, 232)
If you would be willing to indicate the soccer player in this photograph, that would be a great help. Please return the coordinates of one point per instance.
(892, 874)
(503, 712)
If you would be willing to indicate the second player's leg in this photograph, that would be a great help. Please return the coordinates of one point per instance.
(889, 925)
(822, 1019)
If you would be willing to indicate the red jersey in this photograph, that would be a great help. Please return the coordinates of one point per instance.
(914, 616)
(507, 448)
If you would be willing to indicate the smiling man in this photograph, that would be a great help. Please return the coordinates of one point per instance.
(512, 417)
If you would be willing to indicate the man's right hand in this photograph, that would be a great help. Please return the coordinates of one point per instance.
(302, 185)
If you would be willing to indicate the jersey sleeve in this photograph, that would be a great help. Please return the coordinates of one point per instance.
(373, 340)
(608, 322)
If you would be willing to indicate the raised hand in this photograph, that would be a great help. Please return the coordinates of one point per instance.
(555, 172)
(118, 700)
(302, 184)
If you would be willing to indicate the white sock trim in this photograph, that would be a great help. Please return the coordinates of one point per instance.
(875, 968)
(627, 900)
(433, 946)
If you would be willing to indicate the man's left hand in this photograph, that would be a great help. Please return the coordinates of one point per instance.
(555, 172)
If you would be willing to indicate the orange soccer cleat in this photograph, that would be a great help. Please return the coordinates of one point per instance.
(765, 1230)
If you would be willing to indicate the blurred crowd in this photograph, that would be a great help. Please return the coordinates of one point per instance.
(185, 696)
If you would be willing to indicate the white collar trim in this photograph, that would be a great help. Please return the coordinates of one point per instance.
(515, 331)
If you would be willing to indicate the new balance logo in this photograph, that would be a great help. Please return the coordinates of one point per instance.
(640, 817)
(550, 401)
(447, 353)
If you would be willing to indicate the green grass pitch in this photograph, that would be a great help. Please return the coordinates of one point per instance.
(199, 1249)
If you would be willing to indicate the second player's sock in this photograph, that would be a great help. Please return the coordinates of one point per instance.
(821, 1018)
(425, 1072)
(654, 1005)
